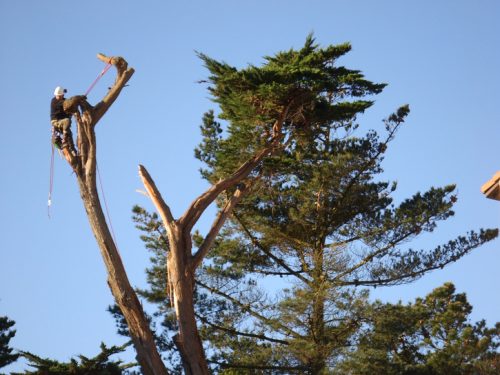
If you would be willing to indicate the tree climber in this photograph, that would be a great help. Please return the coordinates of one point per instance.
(61, 122)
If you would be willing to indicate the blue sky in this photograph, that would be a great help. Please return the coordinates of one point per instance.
(440, 57)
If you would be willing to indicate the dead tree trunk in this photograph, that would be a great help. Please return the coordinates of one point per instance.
(84, 166)
(182, 263)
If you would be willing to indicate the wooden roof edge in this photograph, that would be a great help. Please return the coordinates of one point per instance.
(491, 183)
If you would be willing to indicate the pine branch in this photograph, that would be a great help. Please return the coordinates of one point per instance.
(249, 310)
(281, 369)
(464, 247)
(360, 171)
(239, 333)
(266, 251)
(371, 256)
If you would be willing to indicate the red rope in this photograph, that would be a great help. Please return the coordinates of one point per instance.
(106, 68)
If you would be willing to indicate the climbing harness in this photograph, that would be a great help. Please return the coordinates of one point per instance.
(55, 143)
(56, 138)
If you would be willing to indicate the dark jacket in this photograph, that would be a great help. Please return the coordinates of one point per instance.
(56, 109)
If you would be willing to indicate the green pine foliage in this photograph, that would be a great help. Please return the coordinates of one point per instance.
(305, 85)
(282, 289)
(101, 364)
(6, 334)
(326, 227)
(302, 80)
(211, 132)
(317, 213)
(433, 335)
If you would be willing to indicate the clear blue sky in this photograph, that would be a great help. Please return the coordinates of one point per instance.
(441, 57)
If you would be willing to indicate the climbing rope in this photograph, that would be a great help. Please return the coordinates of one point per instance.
(106, 68)
(51, 179)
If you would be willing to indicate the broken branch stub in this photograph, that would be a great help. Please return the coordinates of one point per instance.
(123, 75)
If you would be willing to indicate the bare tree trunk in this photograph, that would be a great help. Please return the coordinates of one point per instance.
(181, 281)
(84, 166)
(317, 321)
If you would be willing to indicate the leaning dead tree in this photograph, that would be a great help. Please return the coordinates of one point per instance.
(84, 164)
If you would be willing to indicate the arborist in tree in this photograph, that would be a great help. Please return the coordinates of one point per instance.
(61, 122)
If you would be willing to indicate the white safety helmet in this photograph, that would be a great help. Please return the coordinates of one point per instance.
(59, 91)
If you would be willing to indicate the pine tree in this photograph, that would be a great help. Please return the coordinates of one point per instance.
(248, 332)
(433, 335)
(317, 215)
(268, 109)
(101, 364)
(6, 334)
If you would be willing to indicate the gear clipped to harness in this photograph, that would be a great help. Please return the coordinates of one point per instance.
(56, 139)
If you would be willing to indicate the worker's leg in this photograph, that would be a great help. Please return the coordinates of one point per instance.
(56, 134)
(65, 126)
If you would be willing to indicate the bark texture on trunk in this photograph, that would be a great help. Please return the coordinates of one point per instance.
(181, 285)
(84, 165)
